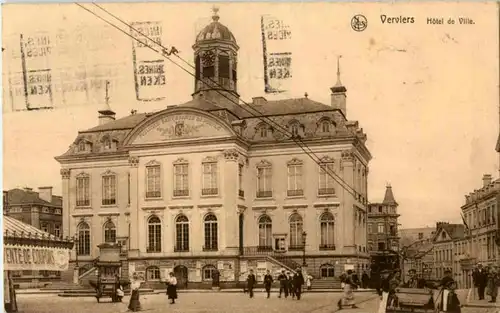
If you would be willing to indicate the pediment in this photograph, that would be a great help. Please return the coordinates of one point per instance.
(439, 236)
(177, 126)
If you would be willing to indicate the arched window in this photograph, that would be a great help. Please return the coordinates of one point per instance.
(265, 232)
(296, 228)
(294, 128)
(181, 233)
(325, 126)
(208, 272)
(327, 270)
(152, 273)
(154, 234)
(83, 239)
(327, 228)
(210, 223)
(262, 130)
(109, 232)
(82, 146)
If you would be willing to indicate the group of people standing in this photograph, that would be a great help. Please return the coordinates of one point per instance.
(289, 285)
(487, 280)
(135, 284)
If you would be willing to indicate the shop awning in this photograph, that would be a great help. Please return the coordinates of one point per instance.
(29, 248)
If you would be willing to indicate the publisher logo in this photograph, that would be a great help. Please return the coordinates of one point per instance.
(359, 23)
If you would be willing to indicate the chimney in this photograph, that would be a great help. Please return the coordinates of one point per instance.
(45, 193)
(486, 180)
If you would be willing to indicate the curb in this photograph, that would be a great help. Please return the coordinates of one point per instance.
(481, 306)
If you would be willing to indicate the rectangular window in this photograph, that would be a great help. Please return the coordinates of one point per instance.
(381, 228)
(241, 192)
(83, 191)
(153, 185)
(109, 190)
(210, 186)
(279, 244)
(326, 182)
(181, 183)
(295, 180)
(264, 182)
(57, 231)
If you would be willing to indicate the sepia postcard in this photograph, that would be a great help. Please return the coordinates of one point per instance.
(246, 157)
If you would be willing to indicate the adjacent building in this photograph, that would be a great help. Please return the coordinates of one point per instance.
(382, 226)
(481, 215)
(42, 210)
(446, 244)
(210, 186)
(416, 249)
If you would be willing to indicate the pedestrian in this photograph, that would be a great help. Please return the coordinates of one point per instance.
(298, 281)
(251, 283)
(134, 303)
(309, 282)
(283, 284)
(479, 277)
(492, 285)
(365, 279)
(172, 288)
(349, 285)
(268, 281)
(447, 299)
(291, 289)
(412, 280)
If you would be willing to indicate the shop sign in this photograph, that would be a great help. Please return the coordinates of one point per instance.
(19, 258)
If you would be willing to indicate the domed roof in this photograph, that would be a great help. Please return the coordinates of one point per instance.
(215, 31)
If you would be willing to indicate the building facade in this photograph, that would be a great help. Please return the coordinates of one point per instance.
(206, 187)
(382, 226)
(417, 250)
(481, 215)
(42, 210)
(445, 242)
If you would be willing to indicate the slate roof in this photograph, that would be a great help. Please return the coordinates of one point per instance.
(455, 231)
(20, 196)
(389, 196)
(265, 108)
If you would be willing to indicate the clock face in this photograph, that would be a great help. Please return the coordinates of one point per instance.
(208, 58)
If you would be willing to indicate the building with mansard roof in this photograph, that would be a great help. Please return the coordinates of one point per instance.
(205, 188)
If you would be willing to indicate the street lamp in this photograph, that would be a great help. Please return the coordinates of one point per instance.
(304, 236)
(76, 270)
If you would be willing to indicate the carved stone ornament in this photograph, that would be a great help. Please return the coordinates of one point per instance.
(65, 173)
(347, 155)
(133, 161)
(231, 155)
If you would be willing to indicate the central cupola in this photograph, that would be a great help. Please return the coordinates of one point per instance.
(216, 59)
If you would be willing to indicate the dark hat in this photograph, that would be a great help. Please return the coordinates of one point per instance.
(412, 271)
(447, 271)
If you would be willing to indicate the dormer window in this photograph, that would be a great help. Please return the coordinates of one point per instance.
(82, 146)
(107, 144)
(325, 127)
(295, 130)
(263, 132)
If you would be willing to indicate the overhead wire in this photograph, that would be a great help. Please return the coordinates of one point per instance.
(165, 53)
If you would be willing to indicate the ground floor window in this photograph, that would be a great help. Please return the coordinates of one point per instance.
(327, 271)
(153, 273)
(209, 272)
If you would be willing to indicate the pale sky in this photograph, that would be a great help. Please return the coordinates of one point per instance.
(426, 95)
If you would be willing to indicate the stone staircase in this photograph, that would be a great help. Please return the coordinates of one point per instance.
(326, 283)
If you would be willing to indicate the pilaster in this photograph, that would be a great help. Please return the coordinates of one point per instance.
(134, 206)
(65, 175)
(348, 225)
(230, 199)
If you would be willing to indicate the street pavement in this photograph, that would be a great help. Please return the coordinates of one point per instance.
(193, 303)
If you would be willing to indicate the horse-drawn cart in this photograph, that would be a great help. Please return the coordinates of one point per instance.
(413, 300)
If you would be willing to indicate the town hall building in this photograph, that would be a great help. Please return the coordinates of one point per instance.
(210, 186)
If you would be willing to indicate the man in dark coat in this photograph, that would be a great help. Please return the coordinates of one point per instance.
(291, 289)
(480, 279)
(412, 281)
(298, 281)
(268, 281)
(283, 284)
(365, 279)
(251, 283)
(449, 297)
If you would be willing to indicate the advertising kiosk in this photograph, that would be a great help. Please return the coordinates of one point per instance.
(28, 248)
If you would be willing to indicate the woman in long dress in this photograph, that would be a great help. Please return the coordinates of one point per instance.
(134, 304)
(172, 288)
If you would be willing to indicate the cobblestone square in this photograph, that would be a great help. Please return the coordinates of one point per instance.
(191, 303)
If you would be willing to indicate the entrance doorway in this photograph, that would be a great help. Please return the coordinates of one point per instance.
(327, 271)
(181, 274)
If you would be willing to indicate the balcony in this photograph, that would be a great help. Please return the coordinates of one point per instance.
(296, 248)
(210, 248)
(209, 191)
(153, 249)
(241, 193)
(295, 193)
(181, 193)
(264, 194)
(326, 247)
(108, 201)
(326, 191)
(181, 249)
(153, 194)
(83, 202)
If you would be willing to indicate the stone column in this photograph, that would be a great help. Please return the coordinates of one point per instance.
(230, 192)
(67, 230)
(347, 201)
(134, 207)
